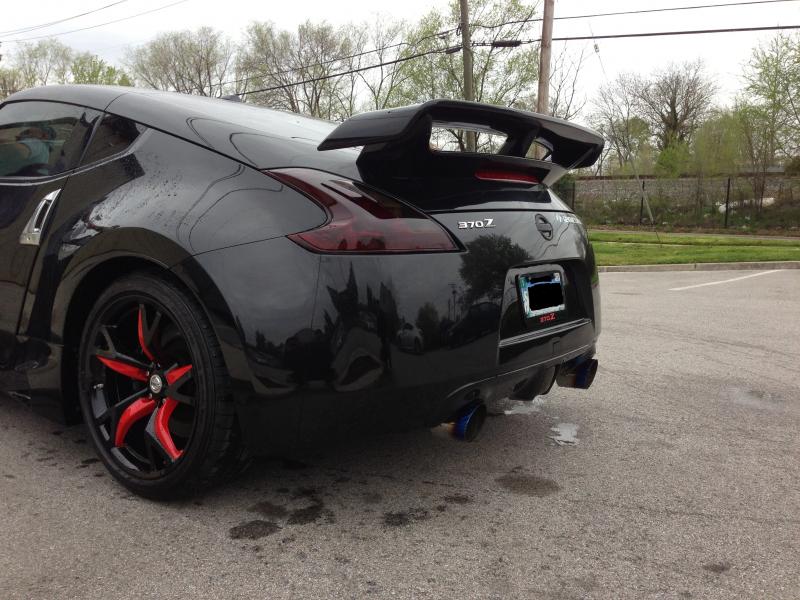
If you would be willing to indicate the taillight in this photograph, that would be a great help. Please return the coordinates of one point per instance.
(360, 219)
(506, 176)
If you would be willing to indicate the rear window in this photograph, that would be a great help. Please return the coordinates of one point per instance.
(42, 138)
(114, 134)
(452, 137)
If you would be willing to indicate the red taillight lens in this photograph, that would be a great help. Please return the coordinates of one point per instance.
(506, 176)
(360, 219)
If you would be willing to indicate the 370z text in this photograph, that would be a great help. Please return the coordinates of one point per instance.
(476, 224)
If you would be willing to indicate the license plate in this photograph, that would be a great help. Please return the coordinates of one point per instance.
(541, 294)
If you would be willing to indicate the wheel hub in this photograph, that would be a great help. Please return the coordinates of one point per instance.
(156, 383)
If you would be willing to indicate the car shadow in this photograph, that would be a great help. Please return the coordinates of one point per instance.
(363, 485)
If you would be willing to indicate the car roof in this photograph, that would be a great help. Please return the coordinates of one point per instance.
(255, 135)
(166, 110)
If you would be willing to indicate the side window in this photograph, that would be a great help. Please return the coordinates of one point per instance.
(42, 138)
(113, 135)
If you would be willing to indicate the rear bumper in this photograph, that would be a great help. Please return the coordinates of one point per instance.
(323, 351)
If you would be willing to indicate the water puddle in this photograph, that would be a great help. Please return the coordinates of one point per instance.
(520, 407)
(566, 434)
(753, 398)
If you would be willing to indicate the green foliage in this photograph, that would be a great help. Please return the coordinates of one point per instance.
(632, 253)
(45, 62)
(10, 81)
(793, 166)
(505, 77)
(772, 79)
(646, 237)
(717, 147)
(673, 160)
(90, 68)
(49, 61)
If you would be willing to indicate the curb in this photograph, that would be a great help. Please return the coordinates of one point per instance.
(732, 266)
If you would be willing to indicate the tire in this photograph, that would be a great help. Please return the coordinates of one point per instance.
(154, 390)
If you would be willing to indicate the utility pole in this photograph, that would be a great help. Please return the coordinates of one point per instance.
(466, 50)
(543, 96)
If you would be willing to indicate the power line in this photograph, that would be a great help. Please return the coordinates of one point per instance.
(146, 12)
(506, 43)
(358, 70)
(440, 34)
(64, 20)
(636, 12)
(681, 32)
(455, 49)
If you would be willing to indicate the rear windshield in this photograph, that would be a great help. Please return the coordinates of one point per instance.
(452, 137)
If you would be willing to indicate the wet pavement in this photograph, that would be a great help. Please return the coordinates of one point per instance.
(677, 477)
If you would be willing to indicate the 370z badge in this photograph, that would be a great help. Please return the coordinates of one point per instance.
(476, 224)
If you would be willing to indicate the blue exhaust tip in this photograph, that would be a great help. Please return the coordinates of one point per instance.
(469, 423)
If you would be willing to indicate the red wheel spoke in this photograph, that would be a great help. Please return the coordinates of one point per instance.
(124, 366)
(137, 410)
(159, 433)
(112, 413)
(177, 376)
(147, 333)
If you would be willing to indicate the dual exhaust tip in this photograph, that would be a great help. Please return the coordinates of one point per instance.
(577, 374)
(469, 421)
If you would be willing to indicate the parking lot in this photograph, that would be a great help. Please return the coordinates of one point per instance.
(683, 483)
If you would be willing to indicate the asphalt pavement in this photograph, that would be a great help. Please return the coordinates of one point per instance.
(675, 476)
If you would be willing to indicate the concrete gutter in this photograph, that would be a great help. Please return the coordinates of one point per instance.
(731, 266)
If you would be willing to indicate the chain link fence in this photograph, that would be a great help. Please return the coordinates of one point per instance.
(746, 201)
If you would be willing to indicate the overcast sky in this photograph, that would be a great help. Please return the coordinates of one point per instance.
(724, 54)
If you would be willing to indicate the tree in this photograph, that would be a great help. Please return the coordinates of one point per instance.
(299, 70)
(772, 78)
(196, 62)
(615, 115)
(383, 83)
(429, 324)
(502, 76)
(485, 264)
(758, 138)
(717, 146)
(45, 62)
(90, 68)
(565, 102)
(674, 101)
(10, 81)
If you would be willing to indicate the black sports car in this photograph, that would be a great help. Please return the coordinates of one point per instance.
(203, 279)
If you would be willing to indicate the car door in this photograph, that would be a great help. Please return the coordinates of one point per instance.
(40, 142)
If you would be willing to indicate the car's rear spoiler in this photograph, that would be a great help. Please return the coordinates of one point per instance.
(572, 146)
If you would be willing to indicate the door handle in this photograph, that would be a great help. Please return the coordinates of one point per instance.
(32, 233)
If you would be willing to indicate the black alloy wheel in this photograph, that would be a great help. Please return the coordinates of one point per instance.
(153, 389)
